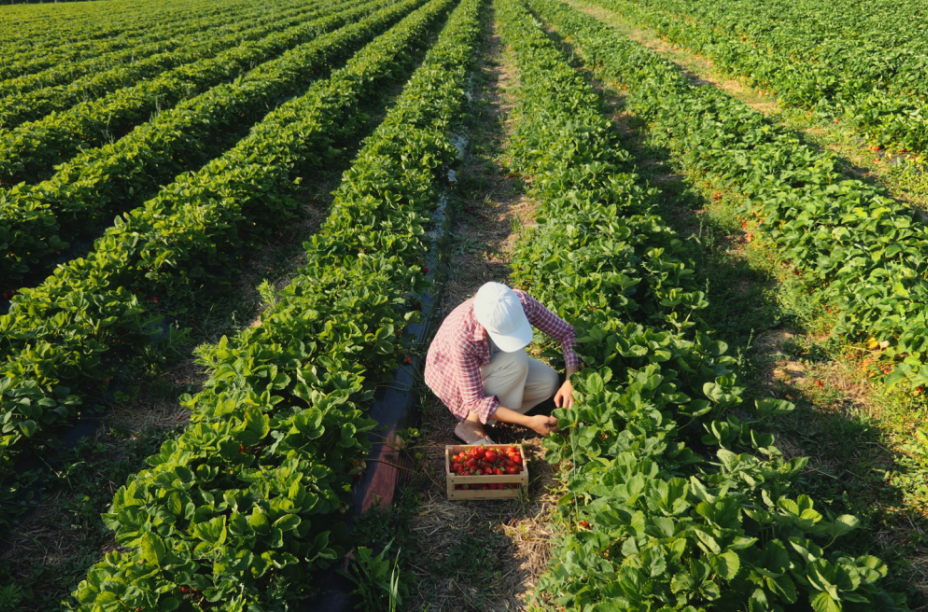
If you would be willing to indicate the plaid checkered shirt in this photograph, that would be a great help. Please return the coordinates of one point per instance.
(461, 346)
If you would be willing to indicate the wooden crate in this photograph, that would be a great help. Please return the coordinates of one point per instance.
(453, 479)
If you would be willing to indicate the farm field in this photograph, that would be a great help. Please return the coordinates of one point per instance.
(228, 230)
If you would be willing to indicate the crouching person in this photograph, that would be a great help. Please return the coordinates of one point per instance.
(477, 363)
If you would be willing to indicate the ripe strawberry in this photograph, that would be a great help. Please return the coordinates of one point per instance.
(155, 299)
(426, 269)
(819, 383)
(584, 524)
(241, 449)
(409, 360)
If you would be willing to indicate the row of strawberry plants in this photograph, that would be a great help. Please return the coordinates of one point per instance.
(660, 517)
(872, 42)
(645, 280)
(29, 151)
(881, 97)
(19, 59)
(61, 27)
(854, 250)
(96, 184)
(89, 71)
(200, 45)
(64, 340)
(247, 504)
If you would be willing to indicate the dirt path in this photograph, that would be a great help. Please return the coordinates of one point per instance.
(481, 555)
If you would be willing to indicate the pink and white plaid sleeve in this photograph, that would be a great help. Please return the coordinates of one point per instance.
(551, 325)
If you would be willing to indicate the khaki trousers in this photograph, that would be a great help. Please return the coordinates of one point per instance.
(518, 381)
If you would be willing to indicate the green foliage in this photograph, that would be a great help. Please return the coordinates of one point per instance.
(379, 582)
(865, 64)
(673, 502)
(63, 89)
(854, 250)
(93, 186)
(29, 151)
(67, 336)
(241, 509)
(38, 66)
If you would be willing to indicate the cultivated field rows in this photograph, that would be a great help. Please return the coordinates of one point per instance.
(148, 160)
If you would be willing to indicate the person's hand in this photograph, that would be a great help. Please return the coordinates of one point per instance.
(543, 424)
(564, 398)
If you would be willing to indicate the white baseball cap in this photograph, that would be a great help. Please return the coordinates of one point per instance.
(498, 309)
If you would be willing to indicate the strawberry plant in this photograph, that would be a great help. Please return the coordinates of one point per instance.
(68, 30)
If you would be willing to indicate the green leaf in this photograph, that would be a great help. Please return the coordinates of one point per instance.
(287, 522)
(822, 602)
(257, 426)
(682, 582)
(844, 524)
(213, 531)
(153, 549)
(784, 587)
(259, 522)
(725, 565)
(28, 427)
